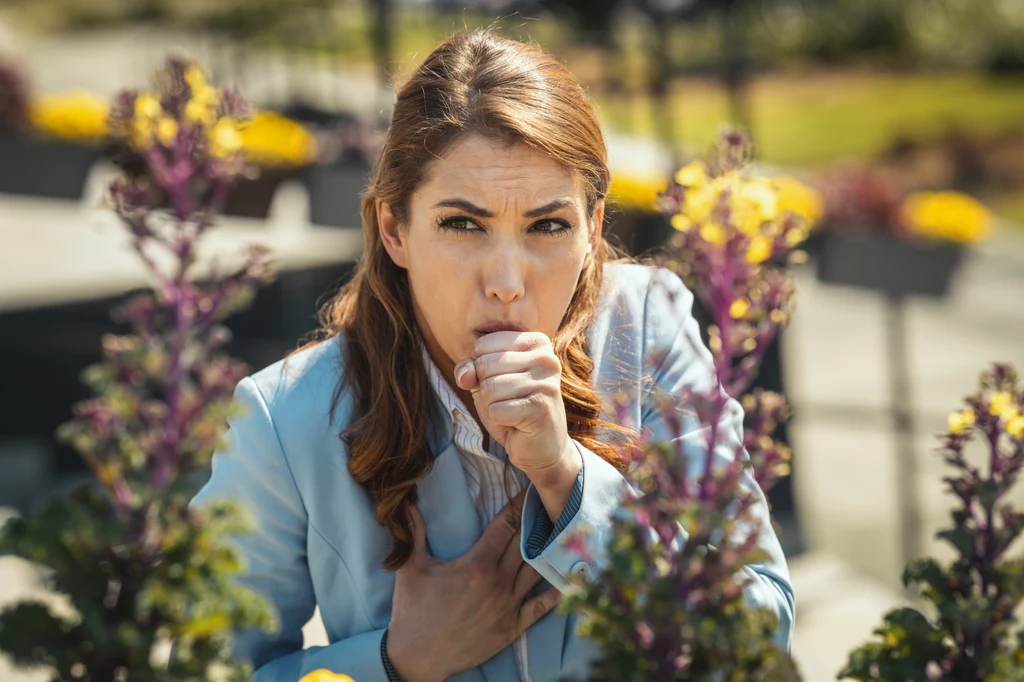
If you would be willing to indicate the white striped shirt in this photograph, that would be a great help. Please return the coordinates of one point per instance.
(485, 470)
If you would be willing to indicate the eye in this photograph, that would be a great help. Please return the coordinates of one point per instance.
(552, 226)
(457, 224)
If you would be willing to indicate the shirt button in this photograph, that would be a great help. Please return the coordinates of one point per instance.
(582, 569)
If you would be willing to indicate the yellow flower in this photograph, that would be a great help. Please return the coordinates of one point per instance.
(324, 675)
(760, 250)
(754, 202)
(960, 422)
(195, 78)
(147, 106)
(225, 139)
(167, 131)
(796, 197)
(77, 116)
(1015, 427)
(739, 308)
(1001, 402)
(713, 234)
(273, 140)
(681, 222)
(199, 111)
(950, 216)
(636, 193)
(694, 174)
(698, 202)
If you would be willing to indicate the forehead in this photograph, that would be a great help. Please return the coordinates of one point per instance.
(476, 165)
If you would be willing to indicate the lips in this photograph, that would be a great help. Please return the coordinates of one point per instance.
(492, 326)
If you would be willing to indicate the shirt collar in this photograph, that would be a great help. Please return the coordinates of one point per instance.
(451, 401)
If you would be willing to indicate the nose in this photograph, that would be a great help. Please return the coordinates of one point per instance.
(505, 273)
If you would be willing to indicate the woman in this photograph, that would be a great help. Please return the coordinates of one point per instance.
(415, 472)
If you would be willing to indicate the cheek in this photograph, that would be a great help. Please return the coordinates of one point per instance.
(555, 283)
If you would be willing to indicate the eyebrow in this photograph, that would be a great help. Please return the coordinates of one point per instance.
(473, 209)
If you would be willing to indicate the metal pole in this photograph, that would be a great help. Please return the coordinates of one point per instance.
(903, 426)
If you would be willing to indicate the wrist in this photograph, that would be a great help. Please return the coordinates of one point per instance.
(407, 664)
(556, 484)
(559, 476)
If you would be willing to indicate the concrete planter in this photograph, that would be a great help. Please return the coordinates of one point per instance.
(40, 167)
(886, 264)
(335, 192)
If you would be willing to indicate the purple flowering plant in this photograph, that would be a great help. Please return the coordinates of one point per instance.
(969, 629)
(14, 97)
(137, 566)
(668, 610)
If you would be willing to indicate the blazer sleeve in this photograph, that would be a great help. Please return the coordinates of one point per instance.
(672, 337)
(252, 471)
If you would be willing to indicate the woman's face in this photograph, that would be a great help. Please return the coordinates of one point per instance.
(496, 235)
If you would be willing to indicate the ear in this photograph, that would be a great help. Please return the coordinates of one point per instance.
(597, 227)
(391, 234)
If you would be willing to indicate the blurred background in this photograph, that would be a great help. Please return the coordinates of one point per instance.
(903, 120)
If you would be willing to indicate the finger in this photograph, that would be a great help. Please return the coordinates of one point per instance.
(513, 341)
(502, 527)
(526, 580)
(507, 387)
(539, 363)
(536, 608)
(512, 558)
(515, 411)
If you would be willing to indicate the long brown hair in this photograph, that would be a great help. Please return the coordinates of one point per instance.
(475, 82)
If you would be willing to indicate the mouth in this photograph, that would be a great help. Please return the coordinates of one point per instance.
(499, 326)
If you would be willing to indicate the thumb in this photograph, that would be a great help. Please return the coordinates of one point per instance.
(465, 375)
(419, 534)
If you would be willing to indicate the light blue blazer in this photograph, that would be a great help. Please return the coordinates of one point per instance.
(317, 541)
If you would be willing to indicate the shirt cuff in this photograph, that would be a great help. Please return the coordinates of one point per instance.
(388, 668)
(543, 533)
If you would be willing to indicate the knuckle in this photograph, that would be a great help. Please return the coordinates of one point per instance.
(537, 400)
(476, 571)
(550, 362)
(489, 385)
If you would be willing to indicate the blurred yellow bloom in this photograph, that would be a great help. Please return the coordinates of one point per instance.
(167, 131)
(950, 216)
(1015, 427)
(636, 193)
(713, 234)
(681, 222)
(754, 202)
(324, 675)
(225, 139)
(199, 111)
(1001, 402)
(76, 116)
(693, 175)
(195, 78)
(273, 140)
(798, 198)
(698, 202)
(739, 308)
(760, 250)
(960, 422)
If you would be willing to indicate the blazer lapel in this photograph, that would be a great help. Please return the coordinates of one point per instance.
(453, 526)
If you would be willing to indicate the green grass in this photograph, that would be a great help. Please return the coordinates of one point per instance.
(816, 119)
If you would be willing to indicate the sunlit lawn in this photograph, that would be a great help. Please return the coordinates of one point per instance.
(811, 120)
